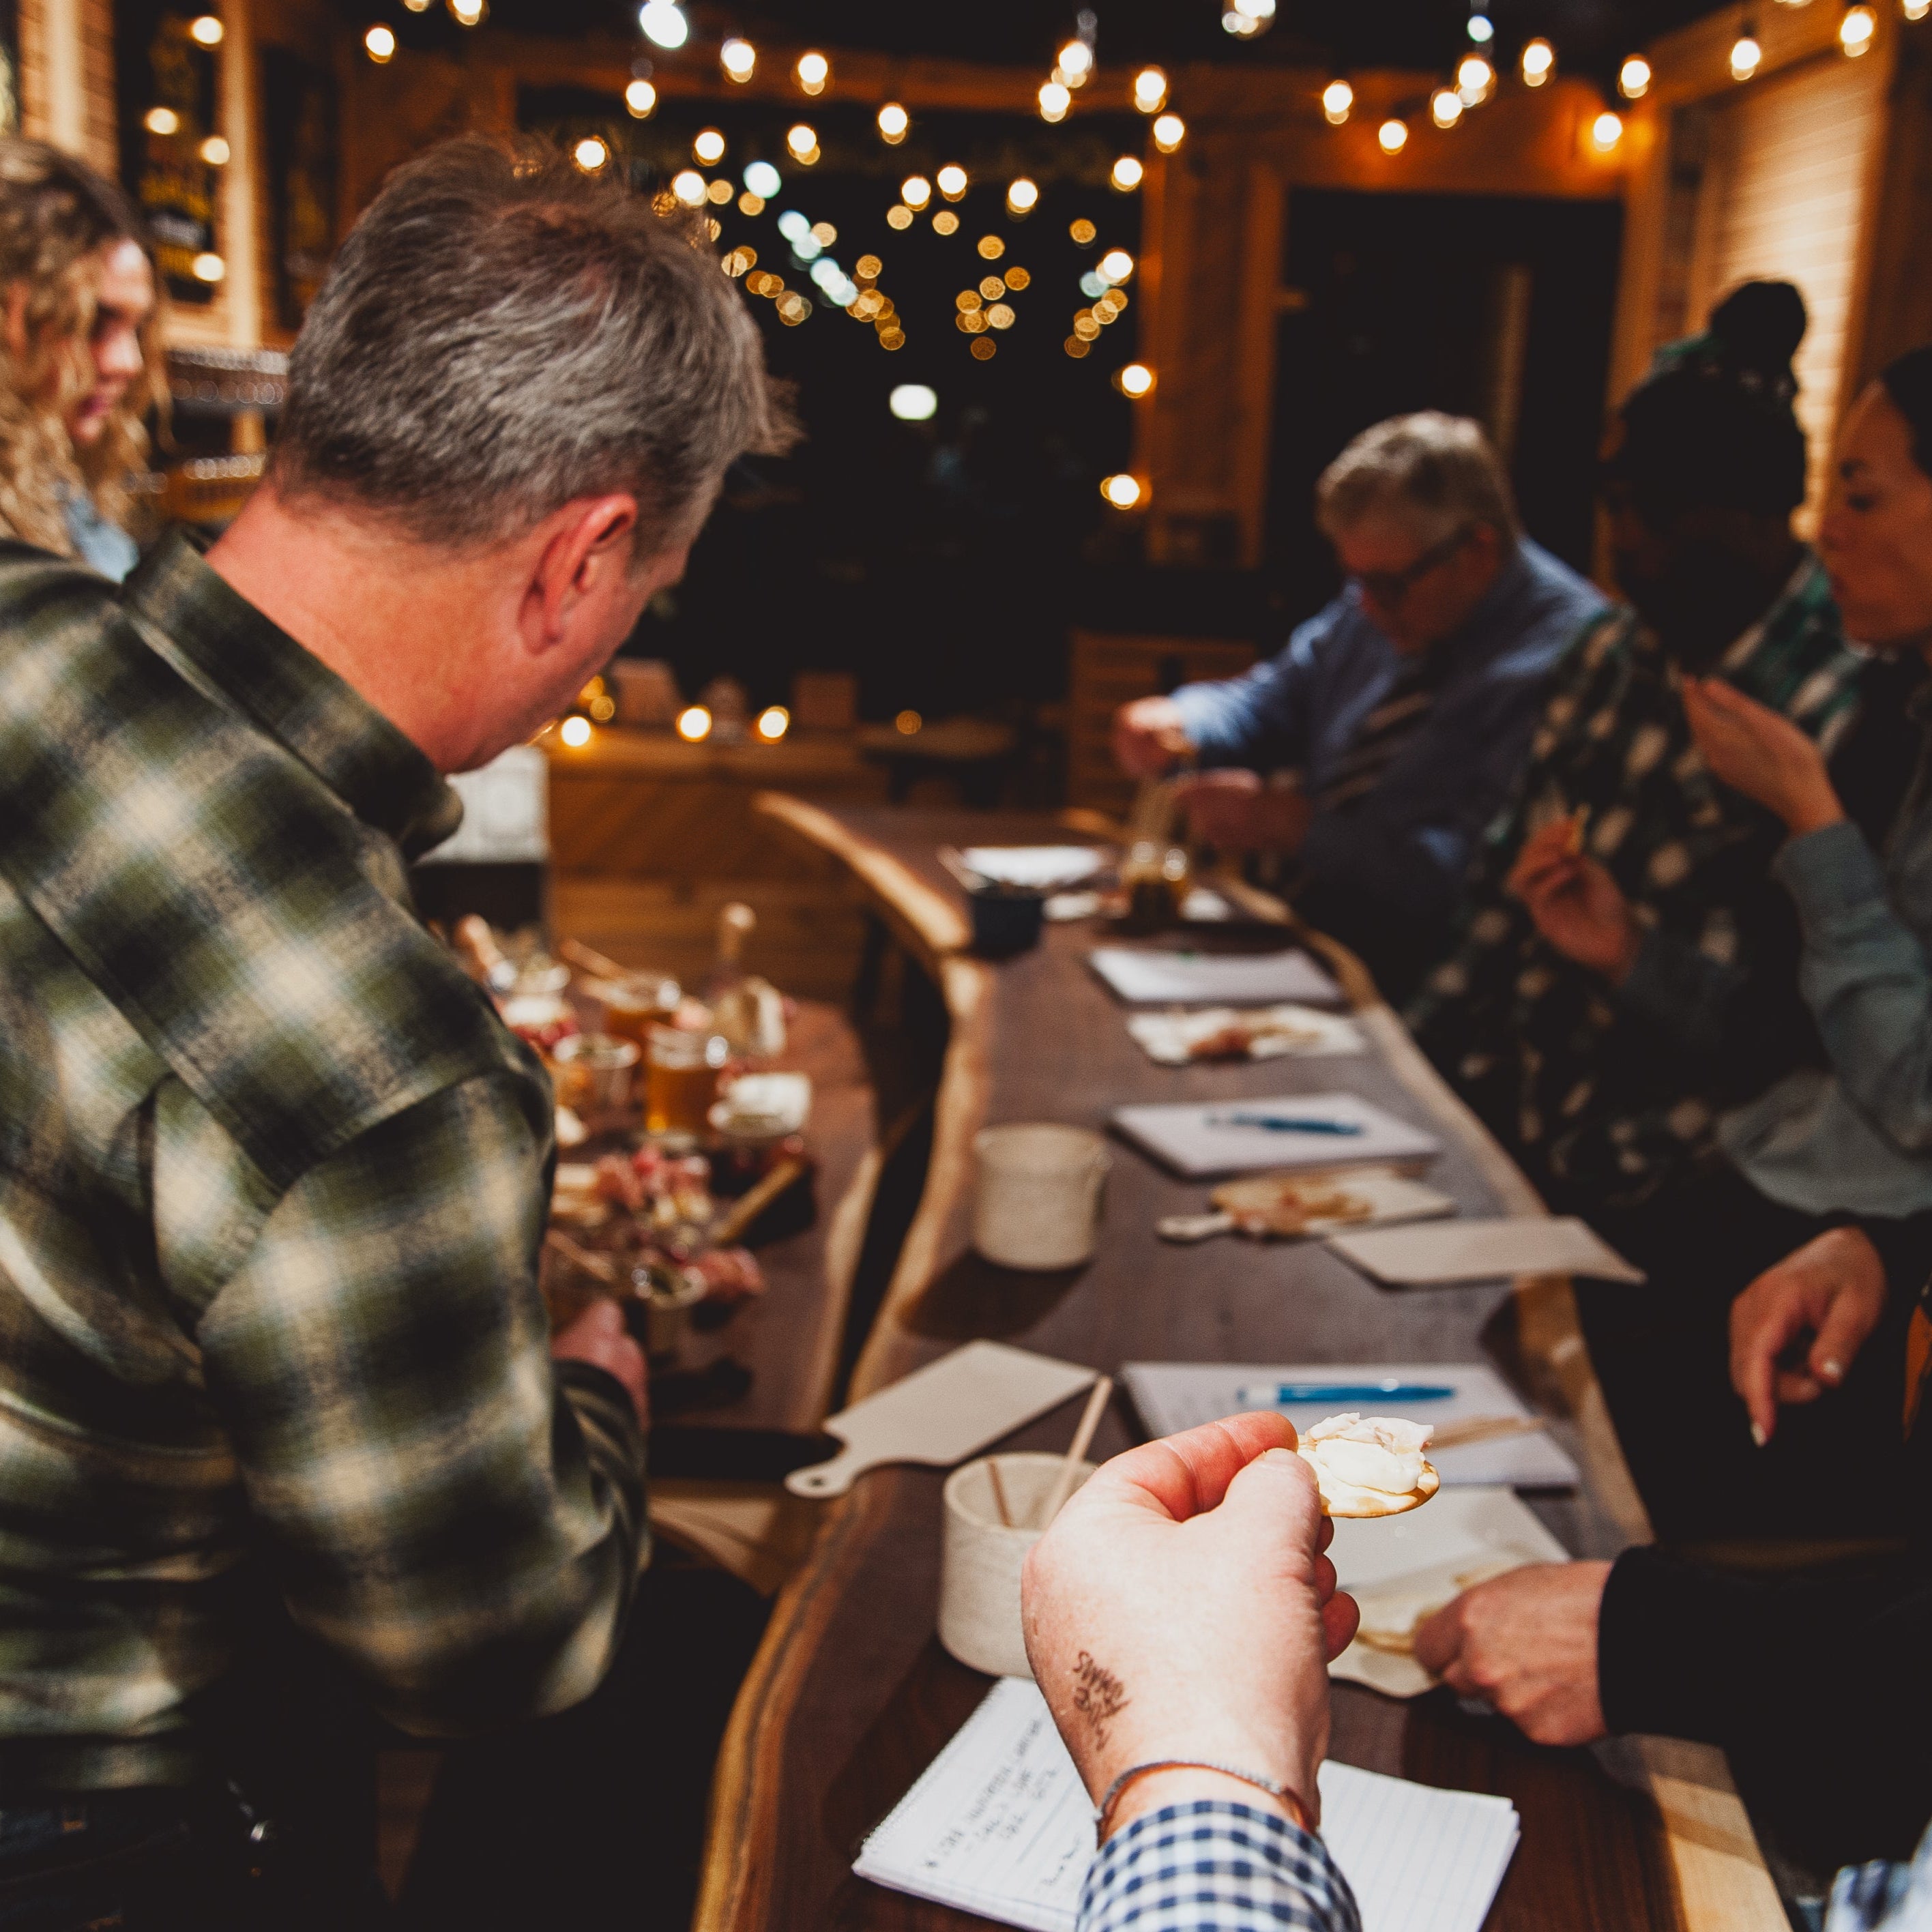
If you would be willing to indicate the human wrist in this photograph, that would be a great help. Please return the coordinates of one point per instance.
(1187, 1784)
(1811, 809)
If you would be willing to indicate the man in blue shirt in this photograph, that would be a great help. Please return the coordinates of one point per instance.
(1374, 749)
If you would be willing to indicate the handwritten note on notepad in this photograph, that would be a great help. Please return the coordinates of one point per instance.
(1000, 1825)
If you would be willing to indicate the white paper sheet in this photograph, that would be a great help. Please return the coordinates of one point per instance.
(1034, 866)
(1479, 1250)
(1194, 1139)
(1000, 1825)
(1170, 1397)
(1149, 976)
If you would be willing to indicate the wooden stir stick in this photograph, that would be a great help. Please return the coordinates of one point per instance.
(1069, 1469)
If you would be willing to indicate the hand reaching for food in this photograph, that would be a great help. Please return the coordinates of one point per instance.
(1575, 904)
(1759, 752)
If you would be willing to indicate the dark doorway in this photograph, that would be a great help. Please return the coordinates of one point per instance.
(1498, 308)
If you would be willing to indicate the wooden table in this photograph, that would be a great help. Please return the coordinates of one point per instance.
(851, 1696)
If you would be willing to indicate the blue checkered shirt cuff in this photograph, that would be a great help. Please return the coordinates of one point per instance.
(1214, 1866)
(1881, 1898)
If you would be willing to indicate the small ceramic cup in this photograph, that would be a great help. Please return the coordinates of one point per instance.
(1037, 1202)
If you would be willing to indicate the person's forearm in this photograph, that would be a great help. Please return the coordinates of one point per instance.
(1227, 1865)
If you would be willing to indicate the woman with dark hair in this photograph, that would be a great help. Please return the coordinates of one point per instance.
(78, 355)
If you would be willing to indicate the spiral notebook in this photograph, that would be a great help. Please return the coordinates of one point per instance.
(1000, 1825)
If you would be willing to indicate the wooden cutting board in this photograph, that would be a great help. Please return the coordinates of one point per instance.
(943, 1413)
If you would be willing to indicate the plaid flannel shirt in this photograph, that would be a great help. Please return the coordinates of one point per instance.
(273, 1180)
(1214, 1866)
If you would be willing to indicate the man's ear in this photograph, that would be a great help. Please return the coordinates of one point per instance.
(582, 552)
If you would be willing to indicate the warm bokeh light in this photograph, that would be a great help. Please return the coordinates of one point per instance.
(694, 723)
(1076, 63)
(906, 723)
(1445, 107)
(952, 180)
(1338, 101)
(913, 402)
(1134, 378)
(575, 732)
(1126, 174)
(1745, 54)
(470, 13)
(1606, 131)
(379, 44)
(1916, 10)
(824, 234)
(899, 216)
(688, 185)
(205, 31)
(801, 140)
(1475, 78)
(812, 72)
(1018, 278)
(1393, 135)
(1634, 77)
(1022, 196)
(763, 180)
(1169, 130)
(1054, 100)
(946, 222)
(709, 147)
(739, 58)
(1150, 90)
(214, 151)
(1856, 30)
(1084, 232)
(1116, 264)
(663, 23)
(1538, 63)
(1482, 29)
(774, 721)
(915, 191)
(593, 152)
(893, 121)
(640, 98)
(1122, 491)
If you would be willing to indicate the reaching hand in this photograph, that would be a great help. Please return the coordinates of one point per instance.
(1832, 1289)
(1761, 753)
(1576, 904)
(1235, 811)
(599, 1337)
(1180, 1607)
(1150, 739)
(1526, 1641)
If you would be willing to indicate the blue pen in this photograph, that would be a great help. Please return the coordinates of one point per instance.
(1273, 1395)
(1283, 1123)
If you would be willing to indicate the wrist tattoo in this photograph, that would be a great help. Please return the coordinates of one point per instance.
(1100, 1696)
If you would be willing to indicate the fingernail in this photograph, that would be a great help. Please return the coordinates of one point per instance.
(1758, 1435)
(1832, 1372)
(1279, 1456)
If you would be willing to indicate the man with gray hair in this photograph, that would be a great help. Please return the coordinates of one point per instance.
(273, 1176)
(1375, 747)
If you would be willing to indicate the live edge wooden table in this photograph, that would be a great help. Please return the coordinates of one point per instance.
(851, 1696)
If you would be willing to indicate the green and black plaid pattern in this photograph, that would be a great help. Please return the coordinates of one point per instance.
(272, 1186)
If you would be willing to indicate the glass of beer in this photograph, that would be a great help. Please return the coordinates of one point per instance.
(681, 1079)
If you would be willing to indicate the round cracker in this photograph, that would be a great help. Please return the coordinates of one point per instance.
(1391, 1505)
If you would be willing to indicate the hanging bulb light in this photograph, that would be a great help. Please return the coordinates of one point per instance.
(641, 100)
(1169, 130)
(1482, 28)
(379, 44)
(812, 72)
(1857, 30)
(952, 180)
(1393, 135)
(1445, 107)
(1022, 196)
(740, 60)
(709, 147)
(592, 153)
(1539, 62)
(1338, 100)
(915, 191)
(893, 122)
(1127, 174)
(1606, 131)
(1075, 65)
(1054, 100)
(1475, 78)
(1633, 78)
(1150, 90)
(663, 23)
(1916, 10)
(1745, 53)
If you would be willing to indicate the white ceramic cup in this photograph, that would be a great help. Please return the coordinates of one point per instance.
(980, 1559)
(1037, 1201)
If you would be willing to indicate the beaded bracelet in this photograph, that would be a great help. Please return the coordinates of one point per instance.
(1298, 1809)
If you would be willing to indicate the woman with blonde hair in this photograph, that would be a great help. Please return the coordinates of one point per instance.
(78, 355)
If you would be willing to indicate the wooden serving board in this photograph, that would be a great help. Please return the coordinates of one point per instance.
(943, 1413)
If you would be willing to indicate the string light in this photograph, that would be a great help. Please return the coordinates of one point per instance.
(1745, 53)
(641, 100)
(379, 44)
(1245, 19)
(913, 402)
(1115, 265)
(908, 724)
(1633, 77)
(214, 151)
(1606, 131)
(1393, 135)
(1539, 62)
(205, 31)
(575, 732)
(694, 724)
(1482, 28)
(1122, 491)
(1127, 174)
(1150, 90)
(812, 72)
(1338, 100)
(740, 60)
(952, 180)
(803, 142)
(1445, 107)
(164, 120)
(1475, 78)
(1856, 29)
(915, 191)
(774, 721)
(1084, 232)
(663, 23)
(209, 267)
(894, 121)
(470, 13)
(1022, 196)
(1054, 100)
(1075, 64)
(687, 186)
(709, 147)
(1134, 378)
(1168, 131)
(1916, 10)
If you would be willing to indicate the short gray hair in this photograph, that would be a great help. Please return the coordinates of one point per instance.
(1430, 472)
(501, 334)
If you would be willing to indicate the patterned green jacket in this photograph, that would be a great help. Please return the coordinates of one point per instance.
(273, 1180)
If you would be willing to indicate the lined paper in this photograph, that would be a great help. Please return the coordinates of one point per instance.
(1000, 1825)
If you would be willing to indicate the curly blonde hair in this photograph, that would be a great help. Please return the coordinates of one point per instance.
(55, 216)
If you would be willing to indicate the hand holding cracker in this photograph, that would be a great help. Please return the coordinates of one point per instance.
(1368, 1465)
